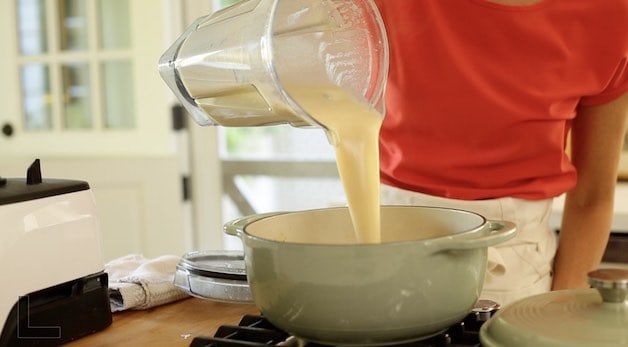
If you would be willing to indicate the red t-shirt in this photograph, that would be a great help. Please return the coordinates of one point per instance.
(480, 95)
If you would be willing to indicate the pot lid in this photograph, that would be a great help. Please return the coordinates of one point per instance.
(218, 264)
(214, 275)
(568, 318)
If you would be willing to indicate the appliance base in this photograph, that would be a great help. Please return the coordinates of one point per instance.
(59, 314)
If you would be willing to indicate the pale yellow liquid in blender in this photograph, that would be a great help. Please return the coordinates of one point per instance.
(353, 128)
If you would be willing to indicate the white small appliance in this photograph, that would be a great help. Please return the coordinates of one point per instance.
(53, 287)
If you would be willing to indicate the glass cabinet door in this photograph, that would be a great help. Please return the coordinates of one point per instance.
(87, 70)
(88, 64)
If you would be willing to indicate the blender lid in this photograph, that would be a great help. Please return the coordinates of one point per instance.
(214, 275)
(33, 186)
(567, 318)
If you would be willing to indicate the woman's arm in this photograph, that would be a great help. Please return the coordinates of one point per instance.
(596, 141)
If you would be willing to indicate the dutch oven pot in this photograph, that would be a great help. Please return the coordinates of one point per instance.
(310, 277)
(568, 318)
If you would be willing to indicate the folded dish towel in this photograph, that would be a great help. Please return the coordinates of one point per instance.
(138, 283)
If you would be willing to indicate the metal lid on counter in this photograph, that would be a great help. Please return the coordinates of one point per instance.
(214, 275)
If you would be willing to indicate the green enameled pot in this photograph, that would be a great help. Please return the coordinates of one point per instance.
(310, 277)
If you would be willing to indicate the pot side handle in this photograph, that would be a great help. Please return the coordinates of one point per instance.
(498, 232)
(236, 226)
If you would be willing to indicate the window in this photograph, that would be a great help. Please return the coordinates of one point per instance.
(73, 54)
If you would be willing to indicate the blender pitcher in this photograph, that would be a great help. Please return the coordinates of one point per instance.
(230, 68)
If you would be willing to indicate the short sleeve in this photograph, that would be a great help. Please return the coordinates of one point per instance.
(617, 86)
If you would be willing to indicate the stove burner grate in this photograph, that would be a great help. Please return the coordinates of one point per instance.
(251, 331)
(254, 330)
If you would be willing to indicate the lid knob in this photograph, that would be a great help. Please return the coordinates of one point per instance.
(611, 283)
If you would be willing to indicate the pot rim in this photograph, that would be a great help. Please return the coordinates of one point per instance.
(238, 228)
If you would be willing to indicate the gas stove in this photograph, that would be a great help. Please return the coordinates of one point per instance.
(255, 330)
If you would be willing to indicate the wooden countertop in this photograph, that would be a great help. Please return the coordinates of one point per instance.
(174, 324)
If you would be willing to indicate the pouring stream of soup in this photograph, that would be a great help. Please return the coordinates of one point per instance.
(353, 129)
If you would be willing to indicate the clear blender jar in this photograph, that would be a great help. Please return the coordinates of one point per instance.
(230, 68)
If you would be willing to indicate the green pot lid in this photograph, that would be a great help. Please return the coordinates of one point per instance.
(569, 318)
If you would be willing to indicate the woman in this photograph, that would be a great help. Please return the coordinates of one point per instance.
(481, 97)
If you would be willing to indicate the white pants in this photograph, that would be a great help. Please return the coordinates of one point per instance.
(519, 267)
